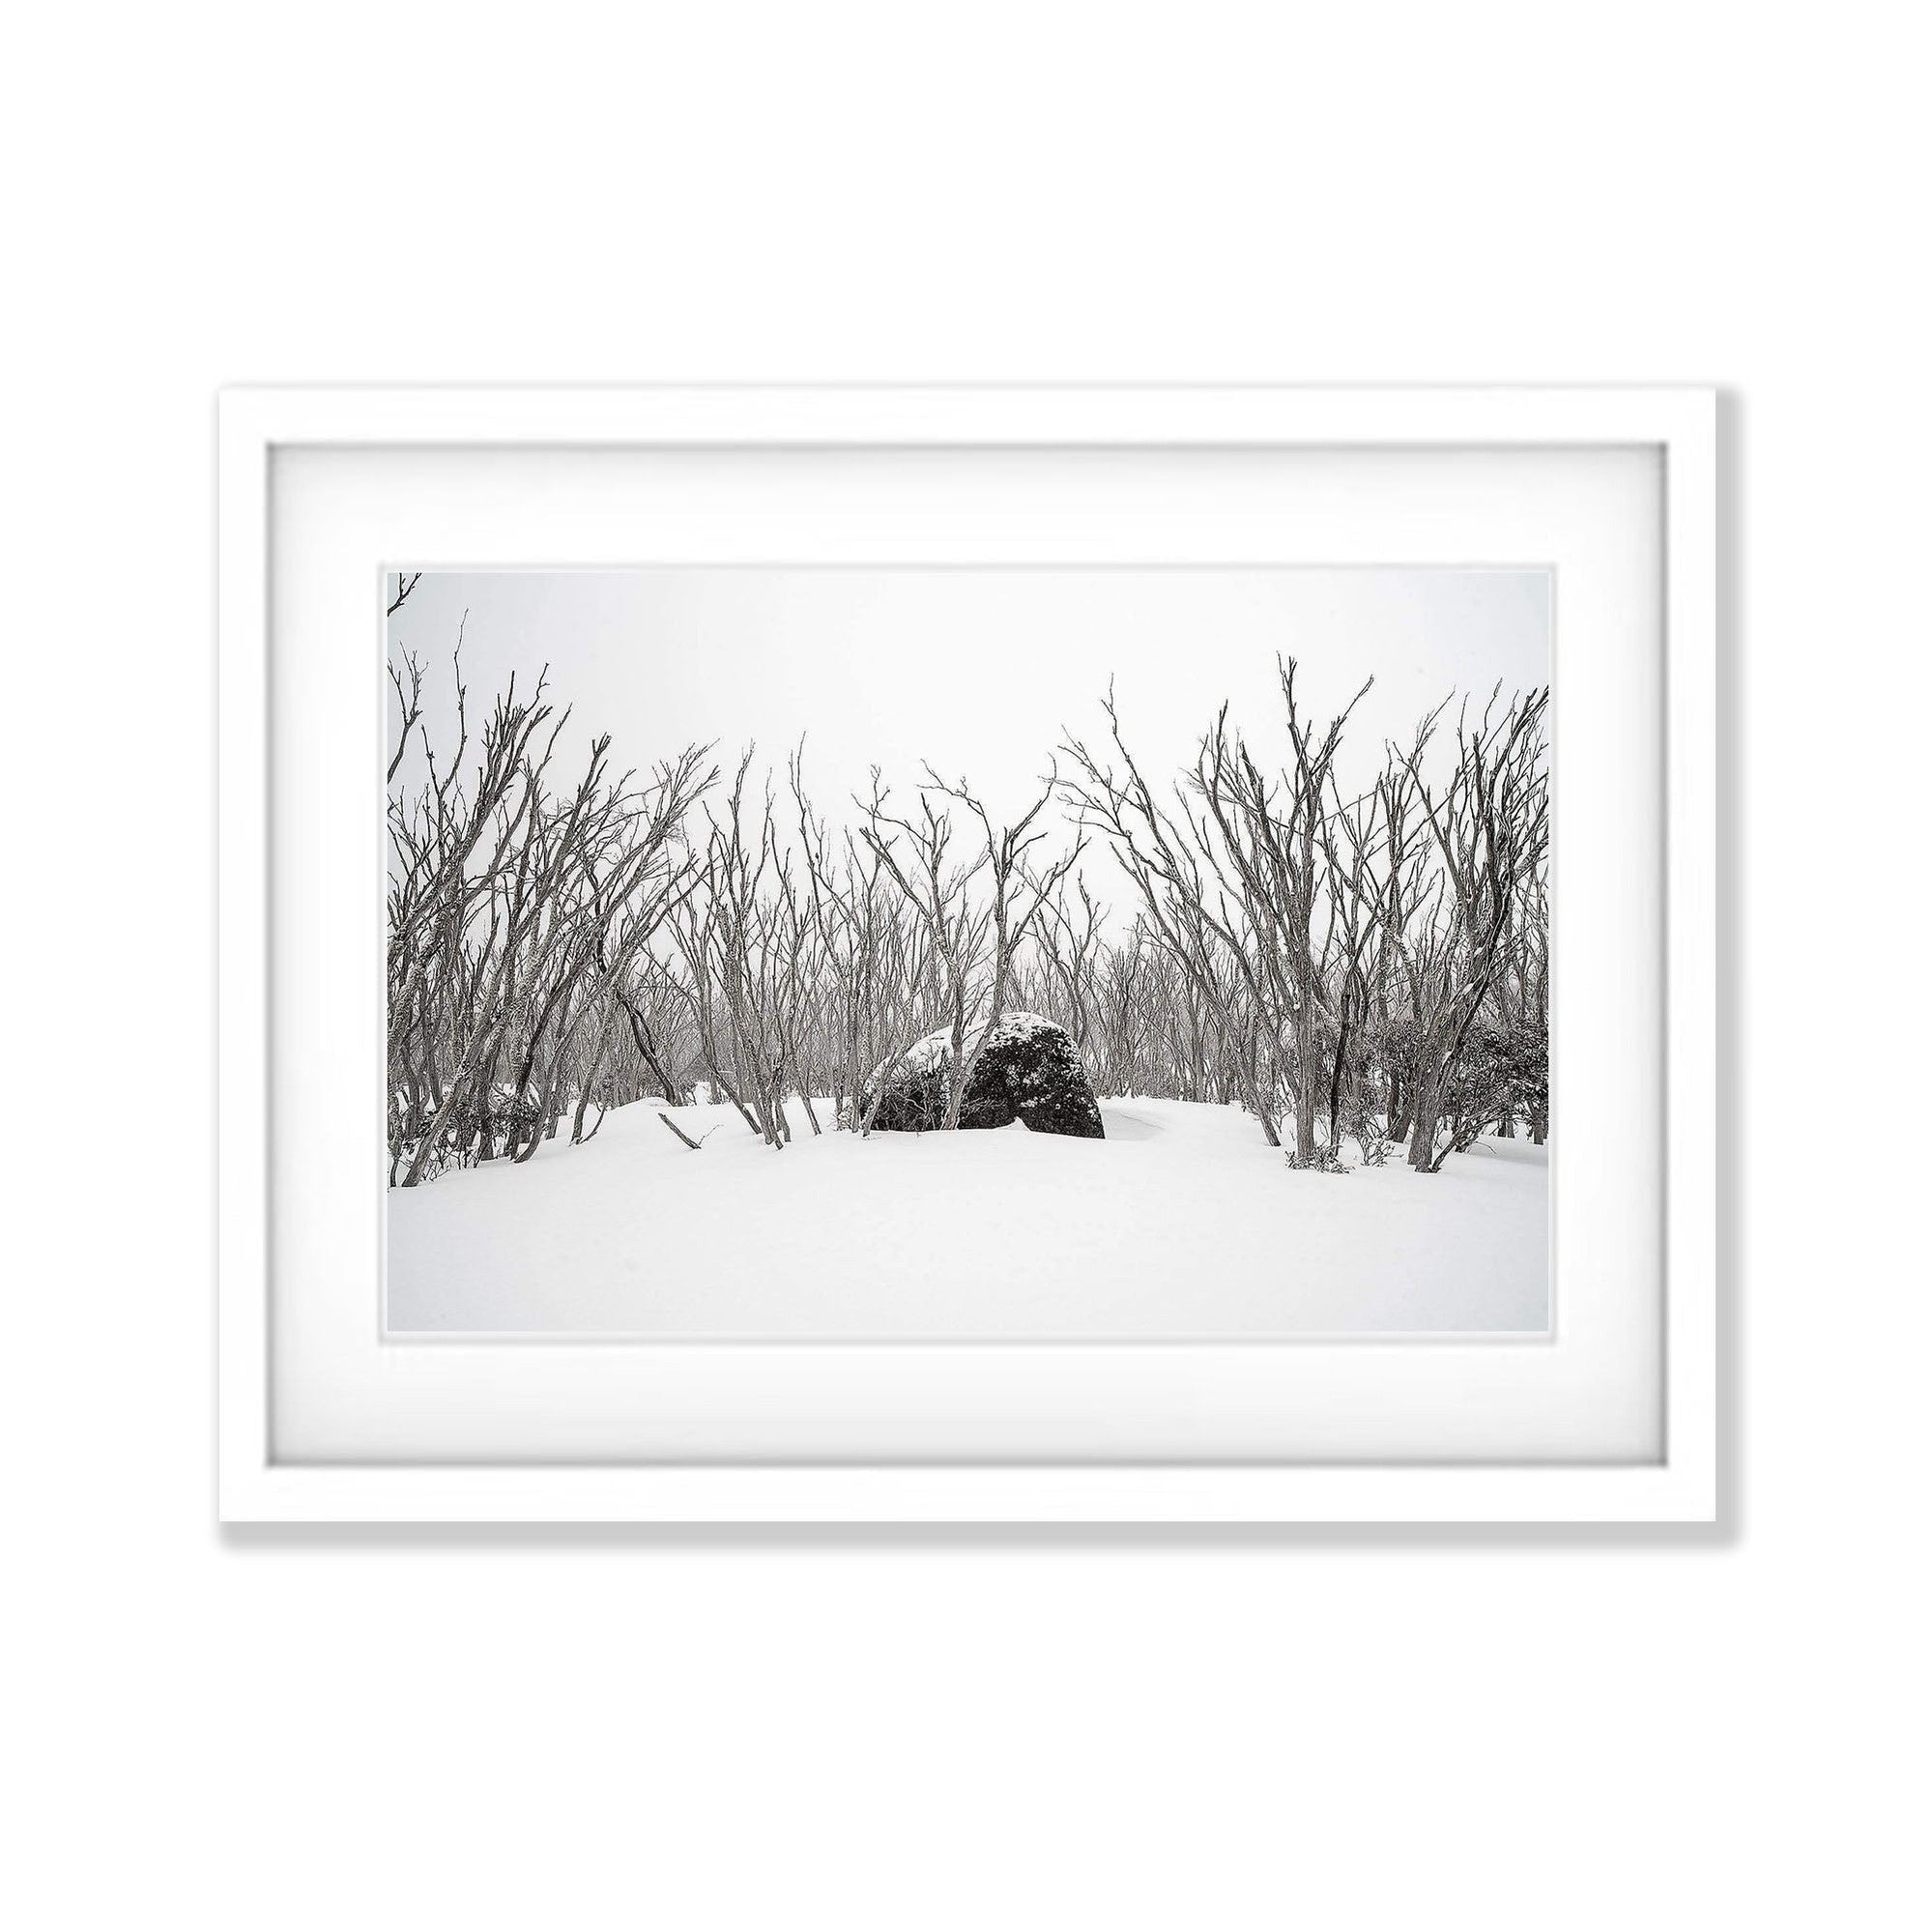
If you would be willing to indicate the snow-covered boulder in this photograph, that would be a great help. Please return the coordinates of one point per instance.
(1028, 1071)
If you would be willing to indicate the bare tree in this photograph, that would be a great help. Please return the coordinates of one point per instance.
(934, 890)
(1158, 847)
(503, 897)
(734, 947)
(1016, 899)
(1490, 823)
(1272, 860)
(1069, 948)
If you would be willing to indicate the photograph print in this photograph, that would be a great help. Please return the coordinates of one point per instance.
(993, 954)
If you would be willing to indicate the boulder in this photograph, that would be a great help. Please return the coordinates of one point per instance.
(1028, 1071)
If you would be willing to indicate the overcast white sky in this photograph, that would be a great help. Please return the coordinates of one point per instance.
(978, 671)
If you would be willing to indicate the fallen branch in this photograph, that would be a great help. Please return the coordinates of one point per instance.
(694, 1145)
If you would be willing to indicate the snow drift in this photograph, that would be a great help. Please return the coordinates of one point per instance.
(1182, 1223)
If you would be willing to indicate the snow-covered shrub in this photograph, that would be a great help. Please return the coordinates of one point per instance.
(1502, 1074)
(1027, 1070)
(1367, 1132)
(1324, 1160)
(510, 1117)
(914, 1100)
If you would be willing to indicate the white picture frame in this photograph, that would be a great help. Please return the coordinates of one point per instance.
(397, 1480)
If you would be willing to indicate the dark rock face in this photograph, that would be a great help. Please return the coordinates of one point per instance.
(1028, 1071)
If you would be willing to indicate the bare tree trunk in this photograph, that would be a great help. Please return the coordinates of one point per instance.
(591, 1079)
(1307, 1074)
(1421, 1139)
(646, 1051)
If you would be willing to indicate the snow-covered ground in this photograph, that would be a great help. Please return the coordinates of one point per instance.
(1181, 1223)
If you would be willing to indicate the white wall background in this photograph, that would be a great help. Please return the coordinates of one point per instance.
(472, 1731)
